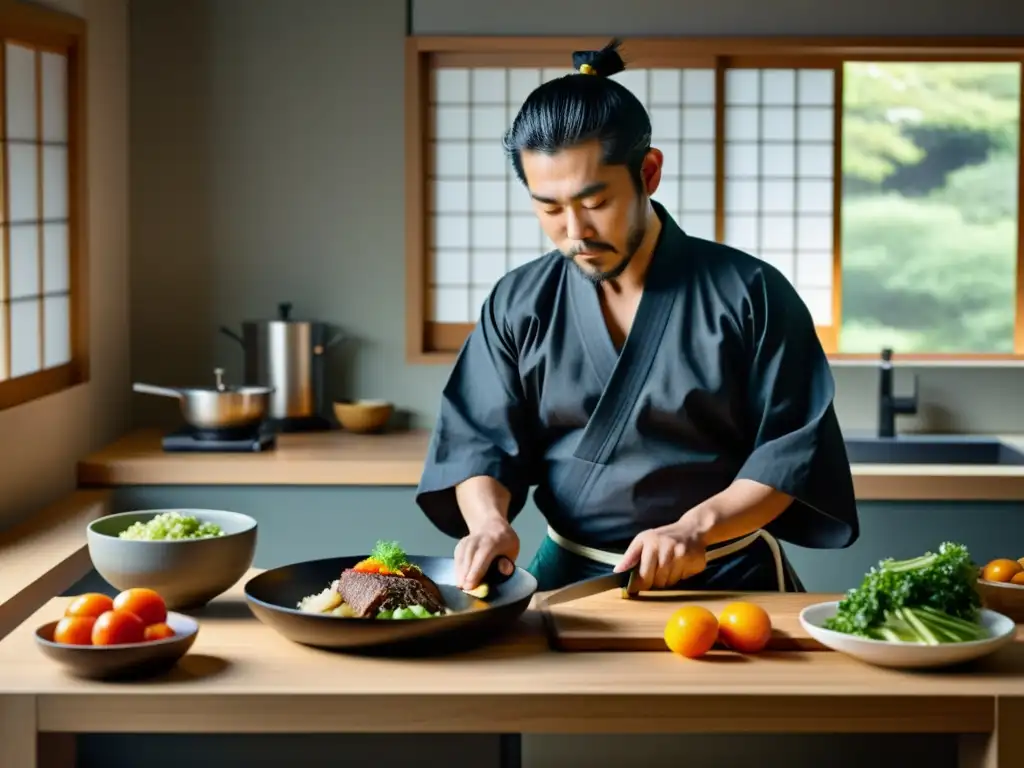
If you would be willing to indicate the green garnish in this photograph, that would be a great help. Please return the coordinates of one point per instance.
(390, 555)
(408, 612)
(929, 599)
(171, 526)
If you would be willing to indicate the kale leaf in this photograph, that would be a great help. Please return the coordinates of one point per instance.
(944, 581)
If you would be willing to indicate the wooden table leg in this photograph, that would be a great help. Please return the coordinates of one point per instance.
(1004, 747)
(510, 750)
(57, 750)
(18, 731)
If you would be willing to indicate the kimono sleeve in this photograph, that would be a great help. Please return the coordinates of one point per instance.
(481, 426)
(797, 442)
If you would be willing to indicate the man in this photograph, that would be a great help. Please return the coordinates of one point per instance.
(668, 396)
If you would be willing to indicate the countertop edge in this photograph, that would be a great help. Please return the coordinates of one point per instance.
(396, 460)
(46, 553)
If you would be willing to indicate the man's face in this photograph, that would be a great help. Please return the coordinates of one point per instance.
(592, 212)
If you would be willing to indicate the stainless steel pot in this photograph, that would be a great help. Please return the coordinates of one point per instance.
(288, 355)
(220, 407)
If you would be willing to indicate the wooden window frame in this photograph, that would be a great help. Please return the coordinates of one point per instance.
(429, 342)
(50, 30)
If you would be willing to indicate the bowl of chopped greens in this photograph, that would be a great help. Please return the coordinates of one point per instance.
(189, 556)
(922, 612)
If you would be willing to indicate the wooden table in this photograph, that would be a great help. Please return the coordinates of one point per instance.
(241, 677)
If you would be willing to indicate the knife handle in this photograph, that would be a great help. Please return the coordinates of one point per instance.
(632, 588)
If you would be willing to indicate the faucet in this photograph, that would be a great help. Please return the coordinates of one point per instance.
(889, 405)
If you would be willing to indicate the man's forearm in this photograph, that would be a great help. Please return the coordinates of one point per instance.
(742, 508)
(482, 500)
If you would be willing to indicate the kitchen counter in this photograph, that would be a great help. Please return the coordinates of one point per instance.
(242, 677)
(319, 458)
(343, 459)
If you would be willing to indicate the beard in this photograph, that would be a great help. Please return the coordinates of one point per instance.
(634, 238)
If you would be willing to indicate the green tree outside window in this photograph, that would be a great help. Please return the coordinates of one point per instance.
(929, 214)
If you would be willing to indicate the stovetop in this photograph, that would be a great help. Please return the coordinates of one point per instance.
(248, 440)
(188, 441)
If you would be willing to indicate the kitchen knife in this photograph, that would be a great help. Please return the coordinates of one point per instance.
(626, 581)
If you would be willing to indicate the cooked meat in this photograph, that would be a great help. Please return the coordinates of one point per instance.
(429, 586)
(369, 593)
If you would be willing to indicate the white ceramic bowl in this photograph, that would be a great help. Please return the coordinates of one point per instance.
(187, 573)
(883, 653)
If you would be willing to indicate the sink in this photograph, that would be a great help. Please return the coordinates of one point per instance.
(932, 449)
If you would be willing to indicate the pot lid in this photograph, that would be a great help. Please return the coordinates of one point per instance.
(284, 315)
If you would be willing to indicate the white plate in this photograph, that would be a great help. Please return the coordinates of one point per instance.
(884, 653)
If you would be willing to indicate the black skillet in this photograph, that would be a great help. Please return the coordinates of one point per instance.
(274, 594)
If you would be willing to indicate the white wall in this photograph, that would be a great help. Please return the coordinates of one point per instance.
(41, 441)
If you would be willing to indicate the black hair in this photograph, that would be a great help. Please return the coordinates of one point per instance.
(582, 106)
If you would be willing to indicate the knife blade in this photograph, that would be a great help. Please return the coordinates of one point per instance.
(625, 581)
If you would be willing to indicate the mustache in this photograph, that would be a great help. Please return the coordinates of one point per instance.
(591, 246)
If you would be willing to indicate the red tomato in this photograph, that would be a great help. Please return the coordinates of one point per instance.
(144, 603)
(117, 628)
(74, 630)
(158, 632)
(90, 604)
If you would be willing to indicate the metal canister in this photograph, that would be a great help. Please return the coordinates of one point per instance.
(288, 355)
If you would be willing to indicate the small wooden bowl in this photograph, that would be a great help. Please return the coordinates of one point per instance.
(363, 416)
(1007, 599)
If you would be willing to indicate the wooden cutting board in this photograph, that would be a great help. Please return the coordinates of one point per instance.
(607, 622)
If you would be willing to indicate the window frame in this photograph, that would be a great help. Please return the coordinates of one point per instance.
(54, 31)
(429, 342)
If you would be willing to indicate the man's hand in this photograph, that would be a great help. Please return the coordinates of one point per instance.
(674, 552)
(475, 553)
(665, 555)
(483, 502)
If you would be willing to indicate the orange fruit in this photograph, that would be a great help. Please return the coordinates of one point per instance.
(691, 631)
(118, 628)
(90, 604)
(1018, 578)
(744, 627)
(158, 632)
(1001, 569)
(74, 630)
(144, 603)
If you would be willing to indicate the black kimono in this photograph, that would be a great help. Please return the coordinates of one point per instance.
(721, 377)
